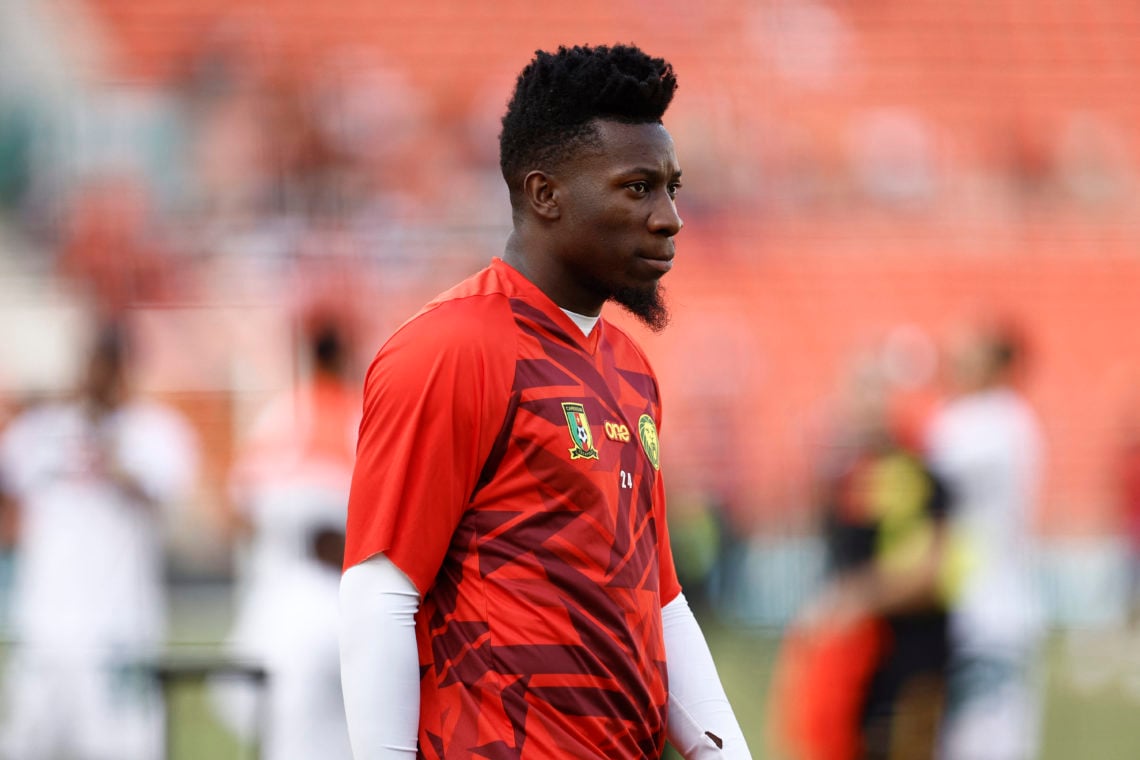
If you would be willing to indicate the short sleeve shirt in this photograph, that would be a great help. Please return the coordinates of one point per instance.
(509, 466)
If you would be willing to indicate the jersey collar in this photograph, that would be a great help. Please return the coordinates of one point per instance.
(526, 289)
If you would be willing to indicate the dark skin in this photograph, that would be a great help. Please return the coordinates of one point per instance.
(599, 226)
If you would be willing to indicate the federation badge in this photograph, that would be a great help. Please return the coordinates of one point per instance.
(647, 431)
(579, 431)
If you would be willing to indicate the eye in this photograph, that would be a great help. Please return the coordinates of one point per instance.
(641, 187)
(673, 188)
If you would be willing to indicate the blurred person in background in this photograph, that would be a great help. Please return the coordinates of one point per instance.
(295, 462)
(863, 668)
(93, 479)
(1127, 482)
(509, 587)
(986, 444)
(290, 492)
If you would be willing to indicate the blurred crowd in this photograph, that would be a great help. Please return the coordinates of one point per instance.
(194, 273)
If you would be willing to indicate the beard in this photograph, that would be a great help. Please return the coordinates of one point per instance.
(646, 303)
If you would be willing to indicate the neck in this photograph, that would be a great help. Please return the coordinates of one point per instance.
(514, 253)
(542, 266)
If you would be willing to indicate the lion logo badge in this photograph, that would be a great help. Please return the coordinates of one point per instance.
(647, 431)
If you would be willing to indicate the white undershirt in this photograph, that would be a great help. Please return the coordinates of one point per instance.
(381, 678)
(585, 323)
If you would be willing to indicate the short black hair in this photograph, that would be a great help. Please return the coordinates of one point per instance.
(328, 348)
(1006, 345)
(558, 95)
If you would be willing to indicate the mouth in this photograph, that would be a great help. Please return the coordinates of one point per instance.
(661, 265)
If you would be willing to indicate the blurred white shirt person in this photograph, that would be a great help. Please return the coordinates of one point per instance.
(92, 481)
(987, 445)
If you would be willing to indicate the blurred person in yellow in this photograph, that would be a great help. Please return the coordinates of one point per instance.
(289, 489)
(93, 480)
(862, 670)
(987, 446)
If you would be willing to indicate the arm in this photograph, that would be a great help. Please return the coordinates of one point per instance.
(379, 662)
(698, 707)
(878, 589)
(884, 589)
(435, 399)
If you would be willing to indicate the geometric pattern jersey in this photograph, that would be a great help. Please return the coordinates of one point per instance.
(508, 465)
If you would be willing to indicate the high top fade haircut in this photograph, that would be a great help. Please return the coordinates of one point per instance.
(559, 95)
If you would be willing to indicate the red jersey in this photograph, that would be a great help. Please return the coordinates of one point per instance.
(509, 466)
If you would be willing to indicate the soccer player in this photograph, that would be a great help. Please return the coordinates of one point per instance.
(290, 484)
(509, 589)
(95, 479)
(988, 447)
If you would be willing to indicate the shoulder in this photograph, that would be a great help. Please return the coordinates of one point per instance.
(1019, 407)
(468, 329)
(42, 419)
(1023, 419)
(473, 312)
(991, 409)
(151, 417)
(462, 325)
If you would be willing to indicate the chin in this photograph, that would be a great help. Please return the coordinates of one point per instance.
(646, 302)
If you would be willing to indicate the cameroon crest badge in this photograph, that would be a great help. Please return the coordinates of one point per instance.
(580, 432)
(647, 431)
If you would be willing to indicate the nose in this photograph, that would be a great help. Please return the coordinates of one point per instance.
(664, 219)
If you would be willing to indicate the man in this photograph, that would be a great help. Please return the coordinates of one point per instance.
(294, 467)
(507, 500)
(986, 446)
(93, 480)
(289, 485)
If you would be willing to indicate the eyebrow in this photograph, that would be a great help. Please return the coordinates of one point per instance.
(651, 172)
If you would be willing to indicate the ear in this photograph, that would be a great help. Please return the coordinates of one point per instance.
(541, 193)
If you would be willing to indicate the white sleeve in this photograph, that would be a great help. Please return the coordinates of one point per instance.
(379, 662)
(698, 706)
